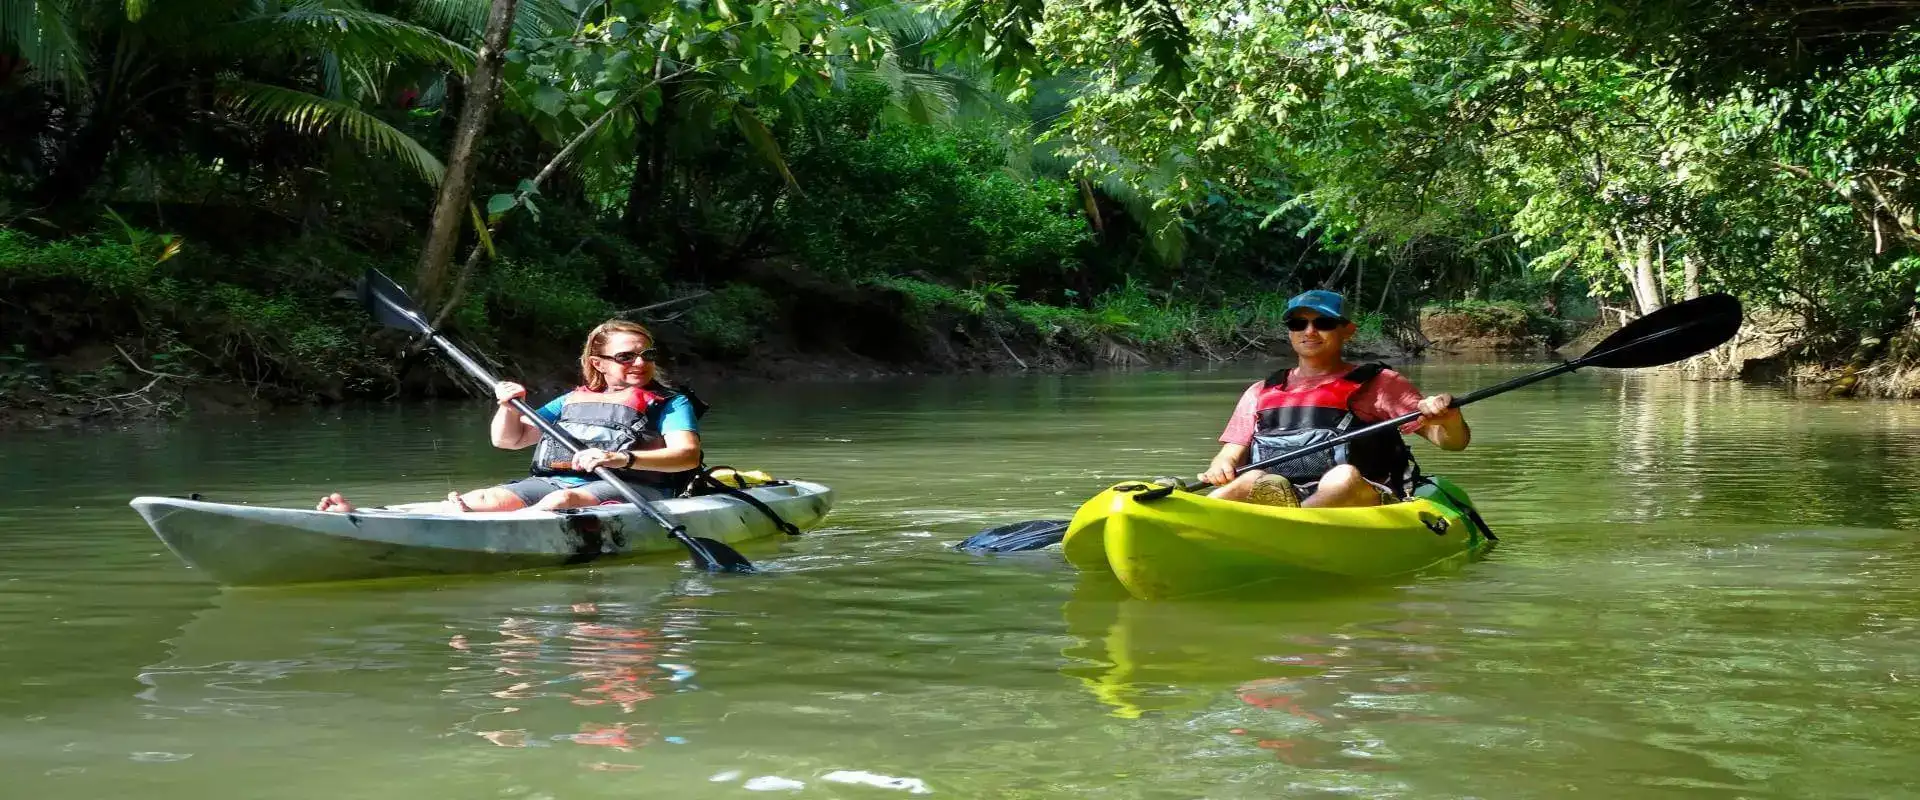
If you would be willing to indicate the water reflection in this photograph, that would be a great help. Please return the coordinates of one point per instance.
(607, 656)
(561, 658)
(1308, 681)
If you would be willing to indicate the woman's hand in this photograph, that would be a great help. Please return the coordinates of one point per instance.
(1220, 472)
(508, 391)
(593, 458)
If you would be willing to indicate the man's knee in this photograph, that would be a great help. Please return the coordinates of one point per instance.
(1344, 486)
(1341, 476)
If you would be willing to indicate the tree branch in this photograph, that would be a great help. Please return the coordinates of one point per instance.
(633, 312)
(519, 197)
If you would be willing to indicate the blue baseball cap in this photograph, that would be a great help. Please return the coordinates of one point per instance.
(1329, 304)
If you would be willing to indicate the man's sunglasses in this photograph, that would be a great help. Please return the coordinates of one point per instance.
(1297, 324)
(630, 356)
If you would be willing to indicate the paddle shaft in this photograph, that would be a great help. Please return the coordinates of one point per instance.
(1472, 397)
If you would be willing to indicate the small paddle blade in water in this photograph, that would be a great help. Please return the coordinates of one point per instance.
(1675, 333)
(713, 556)
(1030, 535)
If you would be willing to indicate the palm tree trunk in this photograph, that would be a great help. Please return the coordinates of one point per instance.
(450, 209)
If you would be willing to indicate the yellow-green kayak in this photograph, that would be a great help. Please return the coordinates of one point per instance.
(1164, 545)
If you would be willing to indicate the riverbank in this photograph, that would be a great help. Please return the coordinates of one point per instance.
(112, 333)
(108, 383)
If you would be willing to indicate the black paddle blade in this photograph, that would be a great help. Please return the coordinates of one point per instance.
(1675, 333)
(390, 304)
(714, 556)
(1030, 535)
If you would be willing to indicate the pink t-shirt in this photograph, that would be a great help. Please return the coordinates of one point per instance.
(1387, 396)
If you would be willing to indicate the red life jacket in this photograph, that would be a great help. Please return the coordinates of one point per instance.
(1287, 419)
(617, 420)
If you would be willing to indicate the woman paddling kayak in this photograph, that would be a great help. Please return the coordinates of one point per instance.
(1322, 398)
(632, 423)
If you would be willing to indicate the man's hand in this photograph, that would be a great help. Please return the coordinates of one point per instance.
(1437, 408)
(1220, 472)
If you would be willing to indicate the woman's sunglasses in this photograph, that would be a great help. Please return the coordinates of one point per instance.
(1297, 324)
(630, 356)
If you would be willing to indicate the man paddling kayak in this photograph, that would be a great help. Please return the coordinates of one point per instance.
(631, 422)
(1322, 398)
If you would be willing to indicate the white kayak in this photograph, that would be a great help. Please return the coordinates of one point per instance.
(240, 545)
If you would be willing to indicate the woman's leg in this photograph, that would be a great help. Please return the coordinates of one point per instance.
(492, 498)
(506, 497)
(595, 493)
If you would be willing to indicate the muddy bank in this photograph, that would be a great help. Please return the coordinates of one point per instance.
(1506, 328)
(110, 385)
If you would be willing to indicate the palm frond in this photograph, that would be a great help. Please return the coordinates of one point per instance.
(41, 32)
(763, 141)
(466, 20)
(962, 94)
(1162, 223)
(331, 82)
(308, 26)
(926, 96)
(316, 115)
(907, 24)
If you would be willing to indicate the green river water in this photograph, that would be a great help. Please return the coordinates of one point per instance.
(1702, 590)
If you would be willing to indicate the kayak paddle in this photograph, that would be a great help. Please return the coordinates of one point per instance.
(391, 306)
(1675, 333)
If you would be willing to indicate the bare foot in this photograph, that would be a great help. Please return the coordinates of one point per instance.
(334, 502)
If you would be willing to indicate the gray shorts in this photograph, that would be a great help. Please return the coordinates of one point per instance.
(1306, 490)
(531, 490)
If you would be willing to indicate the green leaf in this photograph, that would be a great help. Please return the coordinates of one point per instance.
(763, 141)
(549, 100)
(528, 187)
(480, 231)
(789, 37)
(499, 204)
